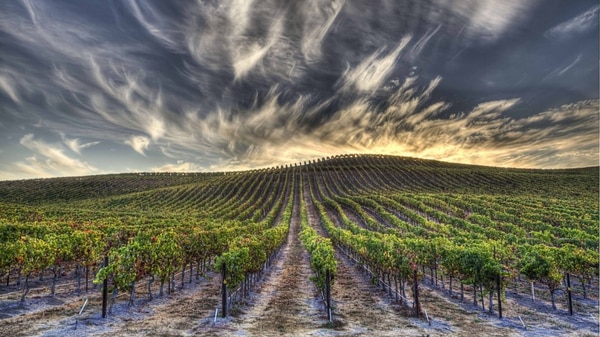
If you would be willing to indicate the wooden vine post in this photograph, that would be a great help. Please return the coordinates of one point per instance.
(105, 290)
(328, 294)
(569, 298)
(499, 289)
(416, 294)
(224, 291)
(499, 296)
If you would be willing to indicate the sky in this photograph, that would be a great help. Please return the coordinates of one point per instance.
(109, 86)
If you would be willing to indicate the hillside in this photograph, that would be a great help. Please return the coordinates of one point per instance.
(381, 225)
(400, 174)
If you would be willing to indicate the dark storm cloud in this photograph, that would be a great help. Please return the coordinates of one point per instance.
(212, 85)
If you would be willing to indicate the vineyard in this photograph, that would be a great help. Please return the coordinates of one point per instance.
(344, 245)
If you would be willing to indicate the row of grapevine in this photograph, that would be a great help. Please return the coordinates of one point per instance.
(489, 262)
(399, 217)
(248, 255)
(322, 259)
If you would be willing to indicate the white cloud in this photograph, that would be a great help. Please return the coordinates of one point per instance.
(420, 45)
(492, 18)
(240, 15)
(30, 6)
(247, 53)
(561, 71)
(152, 21)
(116, 96)
(74, 144)
(179, 166)
(245, 60)
(239, 37)
(488, 19)
(144, 105)
(9, 86)
(138, 143)
(274, 133)
(579, 24)
(319, 16)
(61, 37)
(49, 160)
(372, 72)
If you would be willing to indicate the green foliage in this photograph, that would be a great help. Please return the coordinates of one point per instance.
(164, 254)
(235, 261)
(322, 259)
(393, 214)
(35, 254)
(124, 265)
(577, 260)
(539, 264)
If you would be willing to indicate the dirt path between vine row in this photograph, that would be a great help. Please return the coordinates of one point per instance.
(357, 307)
(287, 302)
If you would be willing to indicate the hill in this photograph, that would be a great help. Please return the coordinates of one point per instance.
(401, 237)
(399, 173)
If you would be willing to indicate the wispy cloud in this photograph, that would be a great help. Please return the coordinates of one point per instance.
(410, 126)
(139, 144)
(239, 38)
(248, 53)
(240, 16)
(246, 83)
(487, 20)
(582, 23)
(48, 160)
(372, 72)
(74, 144)
(418, 47)
(8, 86)
(273, 131)
(562, 70)
(144, 105)
(59, 37)
(319, 18)
(155, 23)
(179, 166)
